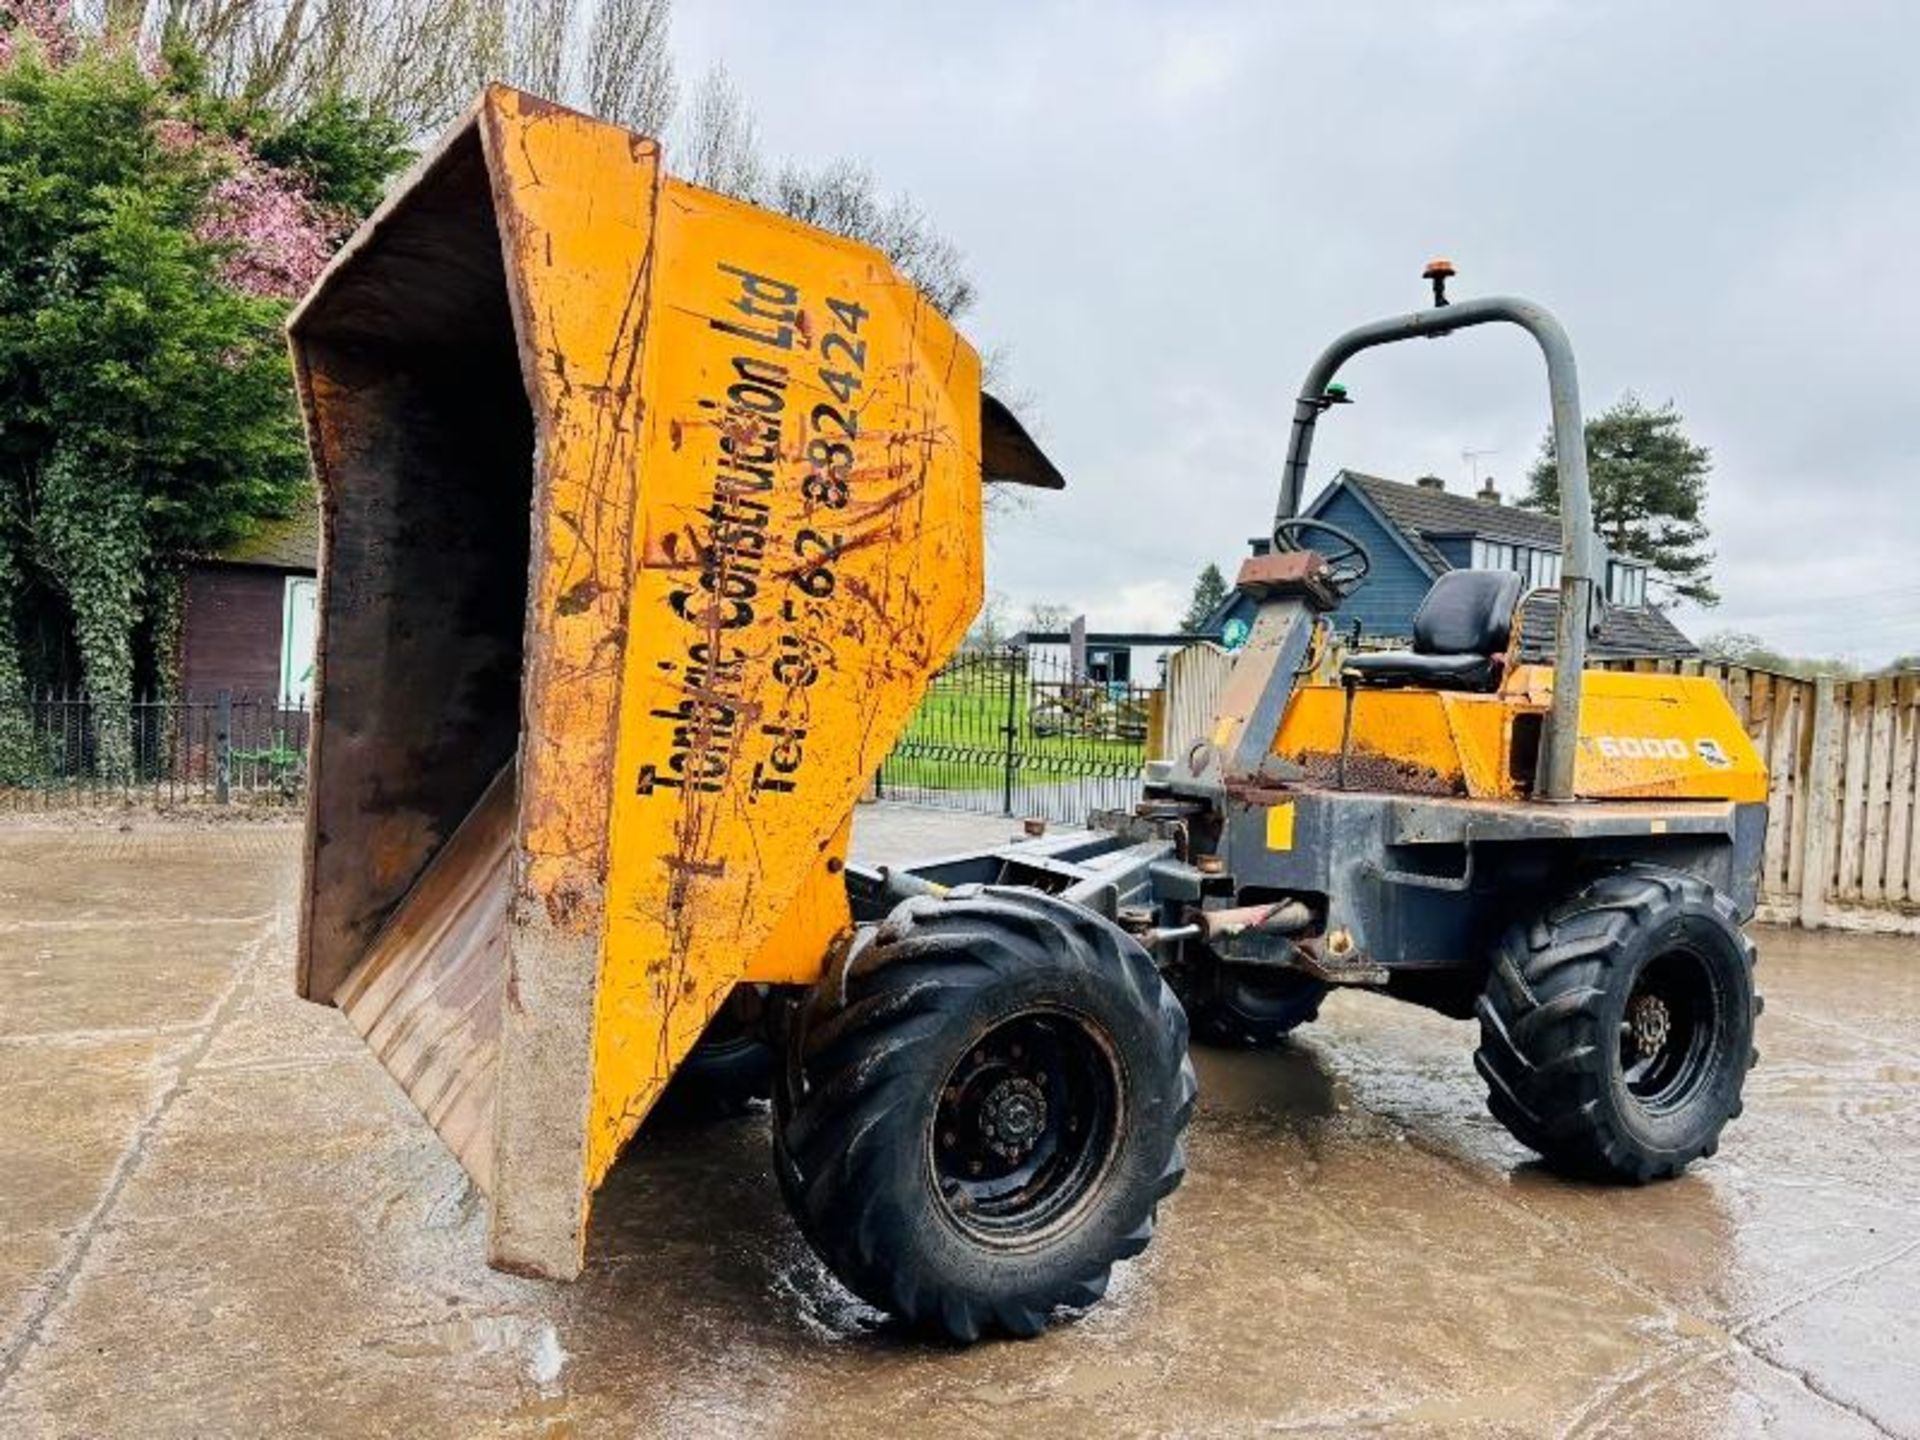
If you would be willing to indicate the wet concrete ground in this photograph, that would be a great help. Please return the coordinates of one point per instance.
(220, 1217)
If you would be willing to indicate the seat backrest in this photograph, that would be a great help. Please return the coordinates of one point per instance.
(1467, 612)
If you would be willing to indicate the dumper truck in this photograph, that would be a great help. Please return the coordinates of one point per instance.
(648, 516)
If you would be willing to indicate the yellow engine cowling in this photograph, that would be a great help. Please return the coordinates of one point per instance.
(648, 515)
(1642, 737)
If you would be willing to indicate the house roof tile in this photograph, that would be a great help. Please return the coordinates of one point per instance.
(1624, 630)
(1422, 513)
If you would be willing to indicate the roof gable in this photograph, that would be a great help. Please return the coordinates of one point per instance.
(1418, 550)
(1420, 513)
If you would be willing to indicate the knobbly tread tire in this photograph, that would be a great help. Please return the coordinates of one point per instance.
(718, 1082)
(1549, 1025)
(876, 1043)
(1224, 1012)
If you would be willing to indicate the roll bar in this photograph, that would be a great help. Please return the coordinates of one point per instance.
(1558, 745)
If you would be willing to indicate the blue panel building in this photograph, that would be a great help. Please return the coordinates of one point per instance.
(1416, 532)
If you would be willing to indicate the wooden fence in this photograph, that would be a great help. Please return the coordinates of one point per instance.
(1843, 760)
(1189, 698)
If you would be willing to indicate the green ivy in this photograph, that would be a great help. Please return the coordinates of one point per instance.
(147, 409)
(166, 613)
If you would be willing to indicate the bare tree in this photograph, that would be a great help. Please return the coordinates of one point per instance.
(422, 60)
(843, 197)
(990, 628)
(608, 57)
(718, 141)
(536, 54)
(630, 64)
(718, 145)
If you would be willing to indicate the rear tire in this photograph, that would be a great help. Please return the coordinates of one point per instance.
(726, 1073)
(1249, 1006)
(1616, 1030)
(986, 1110)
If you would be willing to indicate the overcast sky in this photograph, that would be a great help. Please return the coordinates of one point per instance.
(1170, 209)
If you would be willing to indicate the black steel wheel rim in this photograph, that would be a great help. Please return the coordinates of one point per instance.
(1025, 1127)
(1669, 1030)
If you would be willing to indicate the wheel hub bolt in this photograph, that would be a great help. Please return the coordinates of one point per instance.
(1651, 1024)
(1013, 1117)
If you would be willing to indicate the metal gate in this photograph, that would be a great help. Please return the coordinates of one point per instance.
(59, 750)
(1015, 732)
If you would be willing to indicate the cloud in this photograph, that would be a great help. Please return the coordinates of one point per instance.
(1152, 605)
(1169, 212)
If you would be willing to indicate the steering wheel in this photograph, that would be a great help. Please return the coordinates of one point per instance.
(1346, 559)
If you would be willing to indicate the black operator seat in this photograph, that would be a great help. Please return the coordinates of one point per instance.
(1460, 636)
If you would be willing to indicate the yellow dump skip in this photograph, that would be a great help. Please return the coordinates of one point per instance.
(648, 515)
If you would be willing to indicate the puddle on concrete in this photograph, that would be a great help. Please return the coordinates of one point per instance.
(529, 1341)
(1356, 1244)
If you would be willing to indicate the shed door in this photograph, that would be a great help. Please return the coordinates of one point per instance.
(297, 630)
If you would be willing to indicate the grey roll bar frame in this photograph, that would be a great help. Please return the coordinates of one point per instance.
(1559, 744)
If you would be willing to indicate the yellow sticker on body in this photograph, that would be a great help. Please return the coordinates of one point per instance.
(1280, 827)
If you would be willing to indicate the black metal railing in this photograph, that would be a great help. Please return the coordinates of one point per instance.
(1016, 732)
(60, 749)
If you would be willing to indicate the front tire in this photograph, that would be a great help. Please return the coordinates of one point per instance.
(986, 1111)
(1616, 1030)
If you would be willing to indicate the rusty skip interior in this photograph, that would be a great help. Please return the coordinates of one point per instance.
(424, 439)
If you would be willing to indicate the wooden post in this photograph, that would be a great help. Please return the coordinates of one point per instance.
(1903, 852)
(1851, 796)
(1823, 781)
(1874, 828)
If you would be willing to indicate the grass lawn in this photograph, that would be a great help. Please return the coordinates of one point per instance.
(957, 740)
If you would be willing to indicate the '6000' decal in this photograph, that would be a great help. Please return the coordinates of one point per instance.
(1660, 747)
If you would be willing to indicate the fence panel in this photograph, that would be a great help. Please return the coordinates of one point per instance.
(1195, 677)
(1008, 732)
(1843, 767)
(59, 750)
(1903, 812)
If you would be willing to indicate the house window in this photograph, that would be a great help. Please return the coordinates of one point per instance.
(1491, 555)
(1110, 666)
(1541, 567)
(299, 627)
(1626, 584)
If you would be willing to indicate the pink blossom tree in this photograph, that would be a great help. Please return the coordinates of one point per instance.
(275, 237)
(45, 23)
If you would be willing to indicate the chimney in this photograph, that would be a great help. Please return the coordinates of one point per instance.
(1431, 482)
(1488, 493)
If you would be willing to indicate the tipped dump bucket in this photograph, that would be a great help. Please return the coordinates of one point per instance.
(648, 515)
